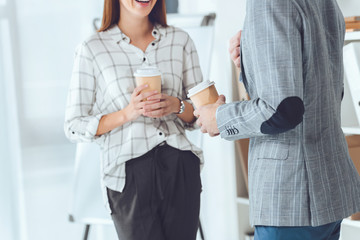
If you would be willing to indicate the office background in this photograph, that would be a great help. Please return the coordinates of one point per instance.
(37, 43)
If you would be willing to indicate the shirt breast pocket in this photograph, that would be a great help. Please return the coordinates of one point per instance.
(273, 149)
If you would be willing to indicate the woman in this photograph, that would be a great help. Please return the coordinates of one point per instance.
(150, 170)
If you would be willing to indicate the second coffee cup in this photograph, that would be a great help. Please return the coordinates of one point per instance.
(148, 75)
(203, 94)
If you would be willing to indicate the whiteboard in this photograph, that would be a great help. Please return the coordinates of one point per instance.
(87, 205)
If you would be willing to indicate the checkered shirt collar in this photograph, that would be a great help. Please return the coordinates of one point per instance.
(118, 36)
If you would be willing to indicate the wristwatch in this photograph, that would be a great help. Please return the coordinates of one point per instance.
(182, 106)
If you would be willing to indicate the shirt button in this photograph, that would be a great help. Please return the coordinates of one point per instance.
(73, 132)
(144, 59)
(160, 133)
(153, 44)
(154, 32)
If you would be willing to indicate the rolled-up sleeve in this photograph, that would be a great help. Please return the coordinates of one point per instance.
(192, 74)
(272, 55)
(81, 115)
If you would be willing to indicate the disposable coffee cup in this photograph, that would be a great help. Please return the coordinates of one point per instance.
(203, 94)
(148, 75)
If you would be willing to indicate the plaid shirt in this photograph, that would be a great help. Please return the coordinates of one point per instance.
(103, 81)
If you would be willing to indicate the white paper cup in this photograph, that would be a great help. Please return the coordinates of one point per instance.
(203, 94)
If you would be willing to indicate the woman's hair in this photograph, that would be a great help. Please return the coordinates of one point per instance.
(111, 14)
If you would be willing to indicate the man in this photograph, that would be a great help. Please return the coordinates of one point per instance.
(302, 182)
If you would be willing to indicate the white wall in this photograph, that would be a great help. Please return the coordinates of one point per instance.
(11, 201)
(197, 6)
(49, 33)
(12, 213)
(350, 7)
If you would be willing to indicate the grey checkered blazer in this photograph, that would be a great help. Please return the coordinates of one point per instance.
(300, 172)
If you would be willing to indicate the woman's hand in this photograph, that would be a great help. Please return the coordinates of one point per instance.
(234, 49)
(136, 106)
(161, 105)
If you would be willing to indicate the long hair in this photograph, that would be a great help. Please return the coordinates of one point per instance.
(111, 14)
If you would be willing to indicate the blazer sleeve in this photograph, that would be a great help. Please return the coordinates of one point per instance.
(273, 52)
(81, 116)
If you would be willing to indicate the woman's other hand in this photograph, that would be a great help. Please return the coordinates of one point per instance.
(161, 105)
(234, 49)
(136, 106)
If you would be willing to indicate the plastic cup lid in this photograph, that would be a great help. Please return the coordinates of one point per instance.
(148, 71)
(198, 88)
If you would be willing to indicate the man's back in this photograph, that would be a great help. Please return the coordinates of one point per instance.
(323, 39)
(300, 172)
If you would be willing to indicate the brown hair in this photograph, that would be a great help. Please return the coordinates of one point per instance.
(111, 14)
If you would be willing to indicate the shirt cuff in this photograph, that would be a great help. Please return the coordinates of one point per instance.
(191, 126)
(92, 128)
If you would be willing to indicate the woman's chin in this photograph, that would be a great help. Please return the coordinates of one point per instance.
(143, 8)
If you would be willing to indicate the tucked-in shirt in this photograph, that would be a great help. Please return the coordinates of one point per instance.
(102, 82)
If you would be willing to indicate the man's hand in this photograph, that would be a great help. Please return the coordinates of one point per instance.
(207, 117)
(234, 49)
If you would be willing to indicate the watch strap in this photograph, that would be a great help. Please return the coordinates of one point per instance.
(182, 106)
